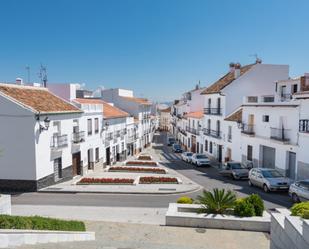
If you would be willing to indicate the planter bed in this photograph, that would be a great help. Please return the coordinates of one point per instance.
(185, 215)
(137, 169)
(157, 180)
(102, 181)
(141, 163)
(144, 158)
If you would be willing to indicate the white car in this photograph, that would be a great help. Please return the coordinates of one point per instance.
(200, 159)
(186, 156)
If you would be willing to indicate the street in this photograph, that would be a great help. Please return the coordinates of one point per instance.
(207, 177)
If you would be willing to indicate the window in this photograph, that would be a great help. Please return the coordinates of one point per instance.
(249, 153)
(89, 126)
(210, 147)
(209, 103)
(266, 118)
(206, 145)
(229, 135)
(294, 88)
(96, 125)
(97, 155)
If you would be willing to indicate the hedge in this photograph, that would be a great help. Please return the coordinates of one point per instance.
(40, 223)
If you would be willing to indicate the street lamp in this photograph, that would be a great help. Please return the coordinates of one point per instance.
(46, 124)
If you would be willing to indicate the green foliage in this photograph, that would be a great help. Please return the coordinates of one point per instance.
(185, 200)
(216, 202)
(39, 223)
(244, 208)
(257, 203)
(301, 209)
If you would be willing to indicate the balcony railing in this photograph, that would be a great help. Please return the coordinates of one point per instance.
(192, 130)
(59, 141)
(131, 139)
(78, 137)
(304, 125)
(215, 133)
(182, 131)
(279, 134)
(109, 138)
(248, 129)
(213, 111)
(285, 96)
(206, 131)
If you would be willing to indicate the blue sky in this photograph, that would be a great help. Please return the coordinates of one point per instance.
(159, 48)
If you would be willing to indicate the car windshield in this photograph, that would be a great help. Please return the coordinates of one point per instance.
(201, 157)
(176, 146)
(171, 139)
(271, 174)
(189, 154)
(236, 165)
(305, 184)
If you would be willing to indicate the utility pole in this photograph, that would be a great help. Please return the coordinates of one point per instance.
(28, 73)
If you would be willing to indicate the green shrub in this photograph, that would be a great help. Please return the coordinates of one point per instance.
(300, 209)
(244, 208)
(39, 223)
(216, 202)
(257, 203)
(305, 214)
(185, 200)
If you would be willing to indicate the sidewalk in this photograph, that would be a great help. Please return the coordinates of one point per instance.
(185, 186)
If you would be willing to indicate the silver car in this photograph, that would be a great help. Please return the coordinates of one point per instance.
(234, 170)
(200, 160)
(186, 156)
(268, 179)
(299, 191)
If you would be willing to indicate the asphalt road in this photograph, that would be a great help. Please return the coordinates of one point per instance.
(207, 177)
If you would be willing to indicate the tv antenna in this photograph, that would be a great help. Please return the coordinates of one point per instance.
(257, 59)
(28, 73)
(43, 75)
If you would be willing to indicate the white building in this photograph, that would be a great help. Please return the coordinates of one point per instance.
(225, 96)
(139, 108)
(165, 119)
(35, 138)
(275, 129)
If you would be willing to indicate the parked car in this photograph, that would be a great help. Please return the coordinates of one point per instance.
(200, 159)
(187, 156)
(177, 148)
(170, 141)
(268, 179)
(299, 191)
(235, 170)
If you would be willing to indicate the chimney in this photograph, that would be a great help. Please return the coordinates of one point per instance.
(19, 81)
(304, 82)
(237, 70)
(232, 67)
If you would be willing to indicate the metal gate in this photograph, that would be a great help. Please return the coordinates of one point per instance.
(269, 157)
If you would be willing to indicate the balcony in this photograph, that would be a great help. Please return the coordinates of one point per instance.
(304, 125)
(131, 139)
(59, 141)
(212, 133)
(192, 130)
(213, 111)
(183, 132)
(285, 97)
(279, 134)
(109, 137)
(206, 132)
(78, 137)
(247, 129)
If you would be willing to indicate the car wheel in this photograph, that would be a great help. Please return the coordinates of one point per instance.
(295, 198)
(265, 188)
(233, 177)
(250, 183)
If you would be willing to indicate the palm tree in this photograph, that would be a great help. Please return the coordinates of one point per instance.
(216, 202)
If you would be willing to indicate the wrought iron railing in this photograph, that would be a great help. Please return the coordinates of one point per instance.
(59, 141)
(280, 134)
(213, 111)
(248, 129)
(78, 137)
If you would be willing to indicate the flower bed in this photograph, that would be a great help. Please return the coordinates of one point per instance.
(155, 180)
(138, 169)
(86, 181)
(141, 163)
(144, 157)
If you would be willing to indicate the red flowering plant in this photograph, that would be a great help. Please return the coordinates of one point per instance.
(142, 163)
(138, 169)
(153, 179)
(144, 157)
(105, 181)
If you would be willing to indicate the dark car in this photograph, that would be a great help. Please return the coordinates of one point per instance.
(235, 170)
(170, 141)
(177, 148)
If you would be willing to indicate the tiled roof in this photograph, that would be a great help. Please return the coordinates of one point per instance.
(235, 116)
(225, 80)
(109, 111)
(38, 99)
(113, 112)
(198, 115)
(166, 110)
(138, 100)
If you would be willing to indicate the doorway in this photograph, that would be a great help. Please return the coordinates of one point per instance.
(108, 156)
(220, 153)
(76, 164)
(292, 165)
